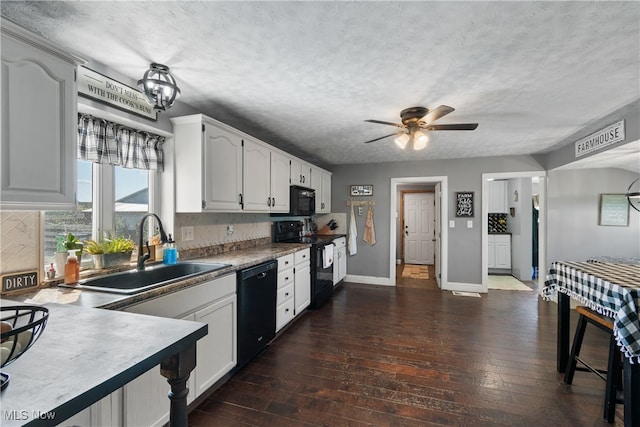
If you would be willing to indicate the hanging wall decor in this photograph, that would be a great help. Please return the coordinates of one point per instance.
(614, 210)
(464, 204)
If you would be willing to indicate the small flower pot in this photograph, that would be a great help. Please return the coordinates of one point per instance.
(117, 259)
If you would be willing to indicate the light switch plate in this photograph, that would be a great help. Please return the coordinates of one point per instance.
(452, 223)
(187, 233)
(469, 223)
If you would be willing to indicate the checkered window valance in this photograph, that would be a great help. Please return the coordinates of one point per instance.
(102, 141)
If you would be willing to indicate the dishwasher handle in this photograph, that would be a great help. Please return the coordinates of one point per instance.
(259, 271)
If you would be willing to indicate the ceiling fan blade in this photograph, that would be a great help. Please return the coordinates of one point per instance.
(436, 113)
(380, 122)
(383, 137)
(457, 126)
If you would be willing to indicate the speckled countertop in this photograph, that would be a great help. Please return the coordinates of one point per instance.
(238, 260)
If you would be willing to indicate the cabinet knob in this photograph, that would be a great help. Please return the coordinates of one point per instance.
(286, 310)
(286, 294)
(286, 278)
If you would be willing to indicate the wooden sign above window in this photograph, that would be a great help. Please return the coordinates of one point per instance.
(101, 88)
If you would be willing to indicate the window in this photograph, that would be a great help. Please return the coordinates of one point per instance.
(111, 200)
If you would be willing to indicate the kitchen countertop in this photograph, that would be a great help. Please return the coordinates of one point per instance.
(238, 260)
(108, 348)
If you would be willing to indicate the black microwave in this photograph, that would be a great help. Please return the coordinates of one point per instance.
(302, 201)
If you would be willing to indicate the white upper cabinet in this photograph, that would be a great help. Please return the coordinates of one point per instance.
(208, 159)
(321, 182)
(279, 182)
(498, 196)
(220, 169)
(39, 123)
(300, 173)
(256, 176)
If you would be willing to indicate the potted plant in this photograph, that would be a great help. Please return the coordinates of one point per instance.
(110, 252)
(63, 245)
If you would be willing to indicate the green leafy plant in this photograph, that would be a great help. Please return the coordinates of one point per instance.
(68, 243)
(109, 245)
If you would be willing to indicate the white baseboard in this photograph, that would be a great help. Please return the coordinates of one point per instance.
(368, 280)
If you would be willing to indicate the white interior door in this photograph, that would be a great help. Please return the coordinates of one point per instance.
(419, 228)
(438, 224)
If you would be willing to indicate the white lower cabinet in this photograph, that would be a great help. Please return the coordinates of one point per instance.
(104, 413)
(339, 259)
(145, 401)
(294, 286)
(499, 251)
(302, 294)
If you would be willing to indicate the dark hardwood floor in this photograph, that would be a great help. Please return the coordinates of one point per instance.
(414, 355)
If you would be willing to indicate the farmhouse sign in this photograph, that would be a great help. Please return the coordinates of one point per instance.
(101, 88)
(604, 137)
(464, 204)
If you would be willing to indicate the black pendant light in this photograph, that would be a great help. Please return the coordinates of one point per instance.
(159, 86)
(633, 195)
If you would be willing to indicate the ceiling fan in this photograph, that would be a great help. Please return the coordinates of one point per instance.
(415, 120)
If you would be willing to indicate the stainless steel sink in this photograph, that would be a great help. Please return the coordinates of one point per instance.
(134, 281)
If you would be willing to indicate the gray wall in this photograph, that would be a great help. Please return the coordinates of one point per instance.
(573, 233)
(463, 175)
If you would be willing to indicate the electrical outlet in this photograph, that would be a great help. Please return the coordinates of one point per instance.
(187, 233)
(229, 230)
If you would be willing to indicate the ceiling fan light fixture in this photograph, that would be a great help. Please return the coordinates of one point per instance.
(420, 140)
(159, 86)
(402, 140)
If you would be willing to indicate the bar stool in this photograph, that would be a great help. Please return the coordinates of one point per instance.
(613, 375)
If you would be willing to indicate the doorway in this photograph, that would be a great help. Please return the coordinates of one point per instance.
(417, 225)
(438, 188)
(525, 203)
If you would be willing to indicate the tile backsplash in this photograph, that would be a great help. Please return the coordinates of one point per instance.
(19, 241)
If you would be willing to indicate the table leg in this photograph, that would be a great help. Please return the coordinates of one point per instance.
(562, 353)
(176, 370)
(631, 386)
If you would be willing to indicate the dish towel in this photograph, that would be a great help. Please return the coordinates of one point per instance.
(353, 234)
(327, 255)
(369, 230)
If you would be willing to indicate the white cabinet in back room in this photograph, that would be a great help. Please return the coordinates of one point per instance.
(39, 122)
(499, 251)
(498, 196)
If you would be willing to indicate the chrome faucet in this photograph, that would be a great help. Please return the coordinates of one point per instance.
(163, 238)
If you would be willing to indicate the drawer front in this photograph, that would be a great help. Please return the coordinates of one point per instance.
(285, 277)
(340, 242)
(285, 262)
(302, 256)
(284, 314)
(285, 293)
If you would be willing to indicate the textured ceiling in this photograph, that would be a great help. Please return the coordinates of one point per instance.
(304, 75)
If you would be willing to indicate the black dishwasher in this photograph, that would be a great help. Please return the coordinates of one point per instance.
(256, 293)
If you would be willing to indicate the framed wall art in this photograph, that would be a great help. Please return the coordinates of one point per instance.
(464, 204)
(362, 190)
(614, 210)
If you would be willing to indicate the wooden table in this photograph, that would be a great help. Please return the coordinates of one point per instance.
(85, 354)
(613, 290)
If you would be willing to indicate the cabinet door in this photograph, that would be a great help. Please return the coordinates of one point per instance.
(256, 176)
(279, 183)
(325, 201)
(222, 170)
(216, 352)
(39, 128)
(491, 251)
(498, 196)
(336, 265)
(503, 254)
(342, 263)
(302, 293)
(295, 174)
